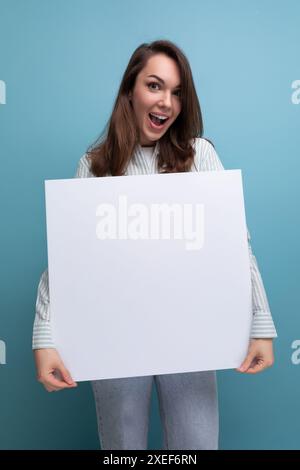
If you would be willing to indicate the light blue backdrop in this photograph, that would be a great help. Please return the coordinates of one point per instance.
(62, 62)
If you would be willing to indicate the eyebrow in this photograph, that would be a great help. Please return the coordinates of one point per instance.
(162, 81)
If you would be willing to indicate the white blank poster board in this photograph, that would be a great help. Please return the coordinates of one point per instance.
(148, 274)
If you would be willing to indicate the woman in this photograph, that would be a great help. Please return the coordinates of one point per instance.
(156, 126)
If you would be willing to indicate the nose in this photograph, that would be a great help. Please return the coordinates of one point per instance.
(166, 101)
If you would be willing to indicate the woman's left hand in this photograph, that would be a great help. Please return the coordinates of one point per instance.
(259, 357)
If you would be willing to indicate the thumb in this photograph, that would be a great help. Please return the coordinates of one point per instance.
(247, 362)
(66, 375)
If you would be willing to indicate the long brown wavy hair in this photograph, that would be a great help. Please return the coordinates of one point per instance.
(112, 151)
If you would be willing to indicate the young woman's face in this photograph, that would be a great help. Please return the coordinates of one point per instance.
(159, 95)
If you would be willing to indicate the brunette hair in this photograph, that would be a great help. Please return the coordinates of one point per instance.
(112, 151)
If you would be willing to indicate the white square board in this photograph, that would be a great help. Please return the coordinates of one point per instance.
(166, 290)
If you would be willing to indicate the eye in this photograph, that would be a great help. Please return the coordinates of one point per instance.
(153, 83)
(177, 92)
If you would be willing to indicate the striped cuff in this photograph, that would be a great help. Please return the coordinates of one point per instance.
(42, 335)
(263, 326)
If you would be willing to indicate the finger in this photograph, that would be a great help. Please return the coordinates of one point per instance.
(52, 381)
(258, 367)
(247, 363)
(67, 376)
(50, 389)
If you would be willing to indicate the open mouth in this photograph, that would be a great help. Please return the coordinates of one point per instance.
(156, 121)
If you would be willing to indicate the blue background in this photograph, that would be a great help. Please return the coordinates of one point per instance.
(62, 62)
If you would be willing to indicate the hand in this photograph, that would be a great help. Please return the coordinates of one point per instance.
(259, 357)
(51, 371)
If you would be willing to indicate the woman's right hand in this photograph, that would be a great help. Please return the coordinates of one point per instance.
(51, 371)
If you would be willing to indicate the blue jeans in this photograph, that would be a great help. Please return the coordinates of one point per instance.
(188, 405)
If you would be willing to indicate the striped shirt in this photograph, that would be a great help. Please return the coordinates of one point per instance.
(144, 161)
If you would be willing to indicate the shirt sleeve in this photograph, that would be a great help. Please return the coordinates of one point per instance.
(262, 323)
(42, 331)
